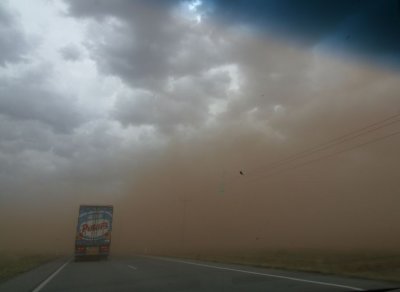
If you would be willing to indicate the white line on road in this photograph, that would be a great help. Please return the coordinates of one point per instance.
(263, 274)
(45, 282)
(132, 267)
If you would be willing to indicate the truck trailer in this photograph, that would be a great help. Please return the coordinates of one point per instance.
(93, 232)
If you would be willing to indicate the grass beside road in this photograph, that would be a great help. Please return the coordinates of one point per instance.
(368, 265)
(12, 265)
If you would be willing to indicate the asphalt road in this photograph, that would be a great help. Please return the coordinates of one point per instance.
(167, 274)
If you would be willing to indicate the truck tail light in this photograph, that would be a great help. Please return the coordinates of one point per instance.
(104, 248)
(80, 249)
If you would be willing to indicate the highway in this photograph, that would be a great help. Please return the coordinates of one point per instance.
(169, 274)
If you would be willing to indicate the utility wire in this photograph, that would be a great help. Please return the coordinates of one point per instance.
(333, 142)
(267, 175)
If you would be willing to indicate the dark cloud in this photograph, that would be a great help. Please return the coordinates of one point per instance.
(173, 61)
(71, 53)
(13, 42)
(29, 98)
(170, 48)
(185, 103)
(20, 135)
(91, 159)
(191, 104)
(311, 19)
(362, 29)
(101, 8)
(157, 40)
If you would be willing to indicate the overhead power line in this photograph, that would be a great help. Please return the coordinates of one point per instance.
(267, 175)
(331, 143)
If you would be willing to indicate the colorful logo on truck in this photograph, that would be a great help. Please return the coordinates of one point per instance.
(94, 225)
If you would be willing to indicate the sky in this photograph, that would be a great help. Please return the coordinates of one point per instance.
(155, 107)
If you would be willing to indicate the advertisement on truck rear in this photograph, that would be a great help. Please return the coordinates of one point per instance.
(93, 232)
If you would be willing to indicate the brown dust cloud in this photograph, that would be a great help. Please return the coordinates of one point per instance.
(186, 194)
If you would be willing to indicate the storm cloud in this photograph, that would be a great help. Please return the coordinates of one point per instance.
(13, 41)
(152, 105)
(70, 53)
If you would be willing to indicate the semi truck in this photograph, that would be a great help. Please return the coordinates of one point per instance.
(93, 232)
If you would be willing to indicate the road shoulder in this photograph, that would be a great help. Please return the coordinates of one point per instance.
(30, 280)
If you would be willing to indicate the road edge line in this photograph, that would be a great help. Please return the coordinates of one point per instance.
(49, 278)
(262, 274)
